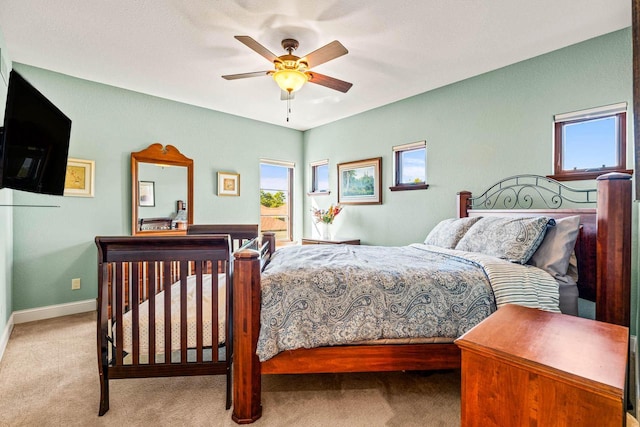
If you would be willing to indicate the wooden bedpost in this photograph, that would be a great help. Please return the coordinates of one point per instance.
(462, 202)
(246, 326)
(613, 240)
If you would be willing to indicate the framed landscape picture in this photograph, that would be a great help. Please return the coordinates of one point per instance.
(360, 183)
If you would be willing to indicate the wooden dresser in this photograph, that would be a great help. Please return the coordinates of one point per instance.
(527, 367)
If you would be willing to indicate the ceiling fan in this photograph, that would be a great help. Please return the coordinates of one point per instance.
(292, 72)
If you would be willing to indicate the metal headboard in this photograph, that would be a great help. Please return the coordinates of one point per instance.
(522, 191)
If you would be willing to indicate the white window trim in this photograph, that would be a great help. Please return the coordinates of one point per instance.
(592, 113)
(292, 166)
(278, 163)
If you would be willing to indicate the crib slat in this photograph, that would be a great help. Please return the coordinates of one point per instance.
(166, 284)
(118, 308)
(199, 340)
(135, 313)
(183, 311)
(215, 339)
(228, 330)
(151, 289)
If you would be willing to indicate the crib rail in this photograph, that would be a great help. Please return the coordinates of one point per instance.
(265, 246)
(240, 233)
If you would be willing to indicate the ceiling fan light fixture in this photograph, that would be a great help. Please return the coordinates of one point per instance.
(290, 80)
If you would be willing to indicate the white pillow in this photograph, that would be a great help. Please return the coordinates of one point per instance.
(554, 252)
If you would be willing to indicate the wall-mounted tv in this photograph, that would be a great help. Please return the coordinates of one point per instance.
(34, 142)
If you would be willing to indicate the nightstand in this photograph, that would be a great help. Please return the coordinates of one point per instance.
(523, 366)
(330, 241)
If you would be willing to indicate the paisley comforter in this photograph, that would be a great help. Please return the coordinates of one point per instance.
(319, 295)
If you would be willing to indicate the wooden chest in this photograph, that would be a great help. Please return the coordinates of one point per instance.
(527, 367)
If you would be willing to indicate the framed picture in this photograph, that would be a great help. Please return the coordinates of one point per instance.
(146, 193)
(79, 178)
(228, 184)
(359, 183)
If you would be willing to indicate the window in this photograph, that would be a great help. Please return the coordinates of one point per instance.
(319, 177)
(276, 180)
(591, 142)
(410, 166)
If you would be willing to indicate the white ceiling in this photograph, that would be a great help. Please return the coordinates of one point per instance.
(178, 49)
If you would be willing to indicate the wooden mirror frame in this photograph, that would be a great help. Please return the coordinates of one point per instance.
(159, 155)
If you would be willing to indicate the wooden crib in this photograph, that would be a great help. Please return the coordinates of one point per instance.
(138, 279)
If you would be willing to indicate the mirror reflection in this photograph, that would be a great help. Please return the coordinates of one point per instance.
(162, 189)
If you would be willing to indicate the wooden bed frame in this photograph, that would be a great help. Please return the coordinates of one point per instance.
(604, 258)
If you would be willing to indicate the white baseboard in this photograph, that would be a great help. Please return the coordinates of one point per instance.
(48, 312)
(4, 340)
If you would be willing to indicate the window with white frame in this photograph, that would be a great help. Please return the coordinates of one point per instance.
(276, 189)
(319, 177)
(590, 142)
(410, 166)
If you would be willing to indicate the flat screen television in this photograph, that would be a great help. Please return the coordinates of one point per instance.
(34, 142)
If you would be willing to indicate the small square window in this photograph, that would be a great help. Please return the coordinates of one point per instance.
(589, 143)
(320, 177)
(410, 166)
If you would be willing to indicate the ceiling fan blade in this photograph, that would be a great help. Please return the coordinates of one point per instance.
(252, 44)
(284, 95)
(246, 75)
(326, 53)
(330, 82)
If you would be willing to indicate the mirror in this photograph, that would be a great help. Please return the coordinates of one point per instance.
(161, 190)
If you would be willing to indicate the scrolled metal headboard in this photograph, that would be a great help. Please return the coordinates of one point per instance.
(522, 191)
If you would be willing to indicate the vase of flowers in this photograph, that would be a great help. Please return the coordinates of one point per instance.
(324, 218)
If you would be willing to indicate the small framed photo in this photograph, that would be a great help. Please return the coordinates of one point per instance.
(146, 193)
(79, 178)
(359, 182)
(228, 184)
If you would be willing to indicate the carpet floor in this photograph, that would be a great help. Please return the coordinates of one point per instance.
(49, 377)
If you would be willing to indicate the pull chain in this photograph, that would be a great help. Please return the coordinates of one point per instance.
(288, 104)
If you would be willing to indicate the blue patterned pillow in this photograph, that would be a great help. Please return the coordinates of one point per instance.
(448, 232)
(513, 239)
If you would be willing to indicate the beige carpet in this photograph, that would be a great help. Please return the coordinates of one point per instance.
(49, 377)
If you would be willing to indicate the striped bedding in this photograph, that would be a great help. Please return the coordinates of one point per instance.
(320, 295)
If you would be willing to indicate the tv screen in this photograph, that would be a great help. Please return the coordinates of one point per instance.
(35, 141)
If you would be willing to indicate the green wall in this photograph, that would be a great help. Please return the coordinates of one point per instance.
(6, 224)
(477, 131)
(54, 245)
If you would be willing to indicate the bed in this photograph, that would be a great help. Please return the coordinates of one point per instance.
(602, 252)
(164, 305)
